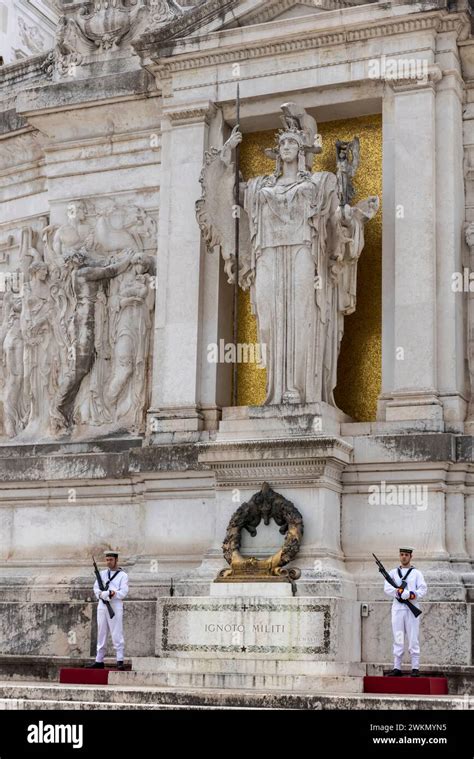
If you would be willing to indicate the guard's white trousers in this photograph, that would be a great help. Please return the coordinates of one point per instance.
(405, 627)
(115, 625)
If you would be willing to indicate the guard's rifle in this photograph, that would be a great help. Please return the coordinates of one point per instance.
(102, 588)
(414, 609)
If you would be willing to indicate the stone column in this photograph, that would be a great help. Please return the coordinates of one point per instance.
(450, 210)
(175, 404)
(388, 250)
(411, 241)
(469, 262)
(456, 513)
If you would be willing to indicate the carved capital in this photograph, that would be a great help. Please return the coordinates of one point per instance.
(191, 114)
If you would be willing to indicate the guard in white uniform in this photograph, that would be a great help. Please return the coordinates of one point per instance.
(116, 581)
(405, 625)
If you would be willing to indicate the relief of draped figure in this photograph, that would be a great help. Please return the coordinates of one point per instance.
(75, 346)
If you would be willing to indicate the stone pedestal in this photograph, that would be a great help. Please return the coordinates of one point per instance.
(259, 626)
(254, 636)
(305, 469)
(280, 421)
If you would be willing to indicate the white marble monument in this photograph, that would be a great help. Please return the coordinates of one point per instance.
(117, 431)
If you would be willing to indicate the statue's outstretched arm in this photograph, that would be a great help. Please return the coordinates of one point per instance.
(96, 273)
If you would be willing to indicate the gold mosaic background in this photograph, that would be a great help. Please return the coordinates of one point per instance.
(360, 362)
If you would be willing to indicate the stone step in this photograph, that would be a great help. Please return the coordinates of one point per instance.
(23, 667)
(249, 666)
(232, 681)
(22, 704)
(48, 696)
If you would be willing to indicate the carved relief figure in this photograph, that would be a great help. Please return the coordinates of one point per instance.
(40, 356)
(299, 253)
(131, 299)
(75, 348)
(71, 236)
(348, 157)
(11, 343)
(85, 278)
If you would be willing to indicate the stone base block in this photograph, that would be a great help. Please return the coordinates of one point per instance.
(324, 629)
(251, 589)
(301, 682)
(280, 421)
(411, 406)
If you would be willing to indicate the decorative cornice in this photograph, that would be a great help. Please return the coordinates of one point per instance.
(312, 442)
(291, 461)
(178, 59)
(20, 71)
(191, 114)
(458, 23)
(271, 9)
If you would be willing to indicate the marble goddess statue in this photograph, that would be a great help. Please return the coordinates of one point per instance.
(299, 248)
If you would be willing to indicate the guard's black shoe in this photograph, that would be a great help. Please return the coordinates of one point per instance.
(120, 665)
(395, 673)
(96, 665)
(415, 673)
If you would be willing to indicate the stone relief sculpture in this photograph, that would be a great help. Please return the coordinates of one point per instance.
(104, 26)
(300, 244)
(75, 346)
(11, 340)
(348, 157)
(132, 301)
(31, 37)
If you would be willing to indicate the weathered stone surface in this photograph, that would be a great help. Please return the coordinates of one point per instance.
(32, 628)
(444, 634)
(33, 695)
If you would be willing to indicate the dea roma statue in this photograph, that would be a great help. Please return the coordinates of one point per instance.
(300, 242)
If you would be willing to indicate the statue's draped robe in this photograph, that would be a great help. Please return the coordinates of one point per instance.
(298, 255)
(298, 298)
